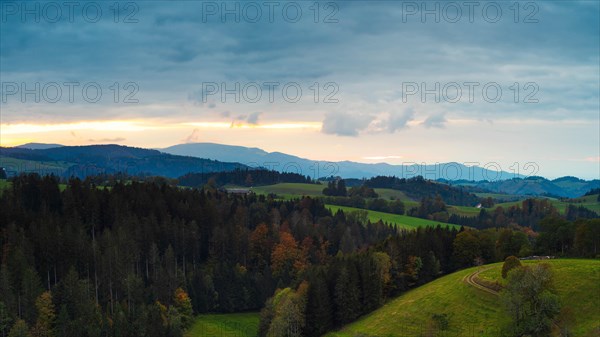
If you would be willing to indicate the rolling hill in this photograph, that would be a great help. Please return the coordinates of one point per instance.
(569, 187)
(471, 310)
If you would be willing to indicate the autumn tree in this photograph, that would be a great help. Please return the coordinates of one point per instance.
(288, 318)
(287, 259)
(183, 304)
(260, 246)
(44, 326)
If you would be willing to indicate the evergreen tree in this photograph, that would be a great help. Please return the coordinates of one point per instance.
(5, 319)
(347, 294)
(319, 317)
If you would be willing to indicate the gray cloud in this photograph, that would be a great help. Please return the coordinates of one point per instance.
(399, 120)
(345, 123)
(170, 52)
(435, 121)
(194, 137)
(253, 117)
(107, 140)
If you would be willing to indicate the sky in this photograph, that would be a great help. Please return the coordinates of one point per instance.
(368, 81)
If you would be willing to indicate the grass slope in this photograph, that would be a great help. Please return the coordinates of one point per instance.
(463, 210)
(578, 285)
(239, 324)
(473, 312)
(291, 190)
(402, 221)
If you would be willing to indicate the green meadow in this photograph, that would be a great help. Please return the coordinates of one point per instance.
(238, 324)
(401, 221)
(473, 312)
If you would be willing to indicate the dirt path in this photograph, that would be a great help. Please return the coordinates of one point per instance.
(472, 280)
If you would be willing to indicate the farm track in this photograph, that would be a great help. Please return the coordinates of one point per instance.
(472, 280)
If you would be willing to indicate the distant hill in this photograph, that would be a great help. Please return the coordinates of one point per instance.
(38, 146)
(255, 157)
(569, 187)
(418, 188)
(81, 161)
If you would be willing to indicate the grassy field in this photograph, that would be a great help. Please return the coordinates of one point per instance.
(298, 189)
(239, 325)
(291, 190)
(42, 167)
(4, 184)
(473, 312)
(402, 221)
(590, 202)
(463, 210)
(500, 196)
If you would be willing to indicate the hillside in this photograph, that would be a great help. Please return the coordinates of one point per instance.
(291, 190)
(419, 187)
(400, 221)
(589, 201)
(472, 310)
(569, 187)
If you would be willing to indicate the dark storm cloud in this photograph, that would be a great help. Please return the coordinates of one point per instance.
(171, 51)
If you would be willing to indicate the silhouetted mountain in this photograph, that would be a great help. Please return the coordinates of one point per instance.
(83, 161)
(38, 146)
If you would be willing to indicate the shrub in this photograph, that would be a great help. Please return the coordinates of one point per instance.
(510, 263)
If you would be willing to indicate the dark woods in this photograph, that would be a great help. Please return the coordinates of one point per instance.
(125, 260)
(140, 258)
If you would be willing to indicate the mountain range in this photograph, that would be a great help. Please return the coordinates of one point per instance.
(570, 187)
(255, 157)
(181, 159)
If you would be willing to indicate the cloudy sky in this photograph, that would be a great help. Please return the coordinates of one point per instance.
(368, 81)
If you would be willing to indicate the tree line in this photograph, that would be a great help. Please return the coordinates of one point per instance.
(242, 177)
(529, 213)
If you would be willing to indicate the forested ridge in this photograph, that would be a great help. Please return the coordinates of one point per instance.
(139, 258)
(242, 177)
